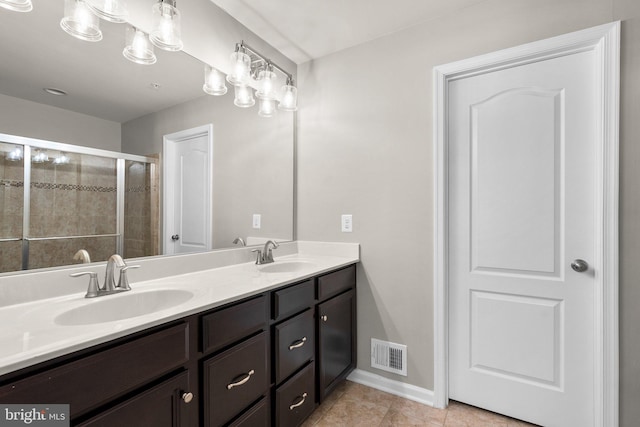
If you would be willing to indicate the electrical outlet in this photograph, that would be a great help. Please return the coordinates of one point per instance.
(347, 223)
(257, 218)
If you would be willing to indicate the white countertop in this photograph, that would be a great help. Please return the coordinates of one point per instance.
(30, 335)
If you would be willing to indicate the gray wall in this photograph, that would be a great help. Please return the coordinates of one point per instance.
(33, 120)
(252, 162)
(365, 148)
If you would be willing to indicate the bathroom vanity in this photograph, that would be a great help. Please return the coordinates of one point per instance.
(265, 358)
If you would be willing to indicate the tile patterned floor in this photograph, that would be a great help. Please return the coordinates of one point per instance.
(354, 405)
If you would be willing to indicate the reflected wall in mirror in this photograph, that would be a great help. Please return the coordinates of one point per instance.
(114, 104)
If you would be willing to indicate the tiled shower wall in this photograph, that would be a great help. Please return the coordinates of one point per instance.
(11, 192)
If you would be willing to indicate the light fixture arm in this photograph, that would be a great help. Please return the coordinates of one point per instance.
(242, 46)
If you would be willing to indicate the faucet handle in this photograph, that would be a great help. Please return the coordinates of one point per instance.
(259, 256)
(123, 281)
(94, 286)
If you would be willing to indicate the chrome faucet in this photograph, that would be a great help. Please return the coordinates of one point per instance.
(109, 275)
(95, 290)
(265, 256)
(239, 240)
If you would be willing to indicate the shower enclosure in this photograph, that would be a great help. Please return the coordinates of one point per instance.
(57, 199)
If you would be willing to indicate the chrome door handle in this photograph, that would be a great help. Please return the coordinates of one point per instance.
(175, 237)
(580, 265)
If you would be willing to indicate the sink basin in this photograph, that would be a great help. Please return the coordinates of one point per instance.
(286, 266)
(123, 306)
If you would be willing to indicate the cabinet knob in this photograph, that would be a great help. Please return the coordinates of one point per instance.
(187, 397)
(324, 318)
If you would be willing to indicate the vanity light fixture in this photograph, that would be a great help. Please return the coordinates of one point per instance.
(247, 63)
(79, 22)
(288, 96)
(109, 10)
(15, 154)
(240, 67)
(166, 30)
(244, 97)
(40, 156)
(17, 5)
(214, 81)
(138, 48)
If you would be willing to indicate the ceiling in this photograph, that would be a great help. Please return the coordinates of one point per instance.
(304, 29)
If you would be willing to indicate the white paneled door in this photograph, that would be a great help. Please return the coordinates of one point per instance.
(523, 145)
(187, 190)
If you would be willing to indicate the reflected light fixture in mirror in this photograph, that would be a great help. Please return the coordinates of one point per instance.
(138, 48)
(15, 155)
(214, 81)
(266, 107)
(244, 97)
(109, 10)
(79, 22)
(17, 5)
(40, 156)
(166, 29)
(62, 159)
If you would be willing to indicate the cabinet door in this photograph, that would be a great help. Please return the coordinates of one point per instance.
(160, 406)
(336, 341)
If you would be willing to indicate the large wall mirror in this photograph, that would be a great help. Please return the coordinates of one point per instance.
(117, 114)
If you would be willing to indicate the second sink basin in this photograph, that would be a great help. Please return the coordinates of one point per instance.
(123, 306)
(286, 266)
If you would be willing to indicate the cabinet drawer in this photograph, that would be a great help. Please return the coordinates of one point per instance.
(234, 379)
(94, 380)
(160, 406)
(258, 416)
(233, 323)
(336, 282)
(292, 299)
(295, 400)
(294, 342)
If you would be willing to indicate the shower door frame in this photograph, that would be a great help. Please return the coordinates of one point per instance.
(29, 143)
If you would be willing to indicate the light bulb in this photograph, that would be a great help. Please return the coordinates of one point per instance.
(17, 5)
(79, 22)
(109, 10)
(166, 29)
(288, 98)
(244, 97)
(240, 69)
(138, 48)
(266, 107)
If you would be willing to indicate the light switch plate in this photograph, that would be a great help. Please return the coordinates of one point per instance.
(347, 223)
(256, 220)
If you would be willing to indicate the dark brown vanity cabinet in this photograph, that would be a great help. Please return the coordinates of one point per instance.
(267, 360)
(336, 318)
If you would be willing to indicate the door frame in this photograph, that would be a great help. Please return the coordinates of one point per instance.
(169, 142)
(605, 41)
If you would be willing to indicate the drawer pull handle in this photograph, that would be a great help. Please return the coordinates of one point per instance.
(187, 397)
(246, 378)
(298, 343)
(324, 318)
(295, 405)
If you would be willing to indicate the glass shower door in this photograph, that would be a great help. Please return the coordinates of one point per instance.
(11, 206)
(72, 206)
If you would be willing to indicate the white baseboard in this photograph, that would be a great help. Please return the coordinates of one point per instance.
(408, 391)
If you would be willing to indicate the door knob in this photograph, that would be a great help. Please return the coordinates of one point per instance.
(175, 237)
(580, 265)
(187, 397)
